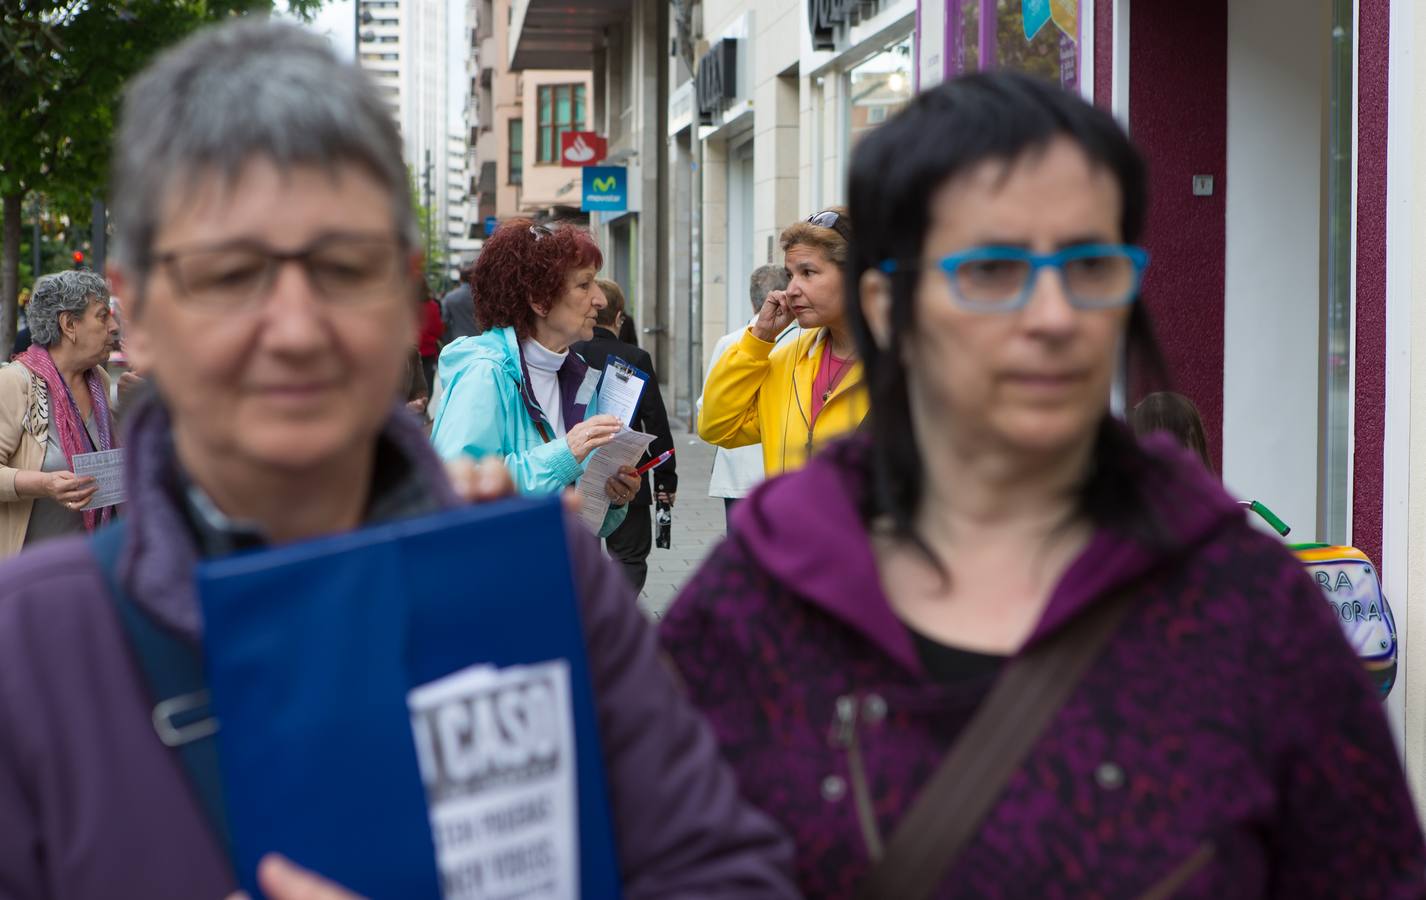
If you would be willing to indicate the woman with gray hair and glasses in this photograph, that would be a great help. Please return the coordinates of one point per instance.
(267, 254)
(54, 403)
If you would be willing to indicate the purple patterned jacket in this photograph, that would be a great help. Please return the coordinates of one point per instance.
(1227, 712)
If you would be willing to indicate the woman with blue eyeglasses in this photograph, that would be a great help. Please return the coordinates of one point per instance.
(992, 646)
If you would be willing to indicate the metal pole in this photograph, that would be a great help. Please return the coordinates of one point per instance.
(987, 35)
(430, 214)
(35, 242)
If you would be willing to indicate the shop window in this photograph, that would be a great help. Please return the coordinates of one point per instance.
(561, 109)
(1040, 37)
(516, 151)
(1336, 367)
(877, 88)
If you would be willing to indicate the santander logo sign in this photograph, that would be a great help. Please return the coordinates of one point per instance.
(582, 148)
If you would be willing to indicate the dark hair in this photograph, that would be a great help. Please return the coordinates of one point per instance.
(943, 133)
(612, 292)
(628, 331)
(1173, 414)
(524, 263)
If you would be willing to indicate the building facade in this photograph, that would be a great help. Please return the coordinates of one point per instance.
(402, 44)
(517, 115)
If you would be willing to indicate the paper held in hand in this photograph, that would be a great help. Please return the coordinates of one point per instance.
(107, 468)
(624, 450)
(620, 390)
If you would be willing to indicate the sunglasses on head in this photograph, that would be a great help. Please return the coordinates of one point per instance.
(540, 231)
(833, 220)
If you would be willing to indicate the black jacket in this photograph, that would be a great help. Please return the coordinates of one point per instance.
(652, 418)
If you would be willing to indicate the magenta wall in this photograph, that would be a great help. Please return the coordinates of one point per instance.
(1178, 116)
(1374, 17)
(1103, 53)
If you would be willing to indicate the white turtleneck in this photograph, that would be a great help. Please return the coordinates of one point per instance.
(544, 365)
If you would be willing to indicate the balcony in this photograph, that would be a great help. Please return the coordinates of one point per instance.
(561, 34)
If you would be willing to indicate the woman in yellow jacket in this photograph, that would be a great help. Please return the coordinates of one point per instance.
(796, 395)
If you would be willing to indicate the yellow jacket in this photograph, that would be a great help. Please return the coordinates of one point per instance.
(756, 393)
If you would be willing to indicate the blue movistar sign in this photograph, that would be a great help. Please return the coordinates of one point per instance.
(606, 189)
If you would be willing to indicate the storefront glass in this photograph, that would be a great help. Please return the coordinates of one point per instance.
(877, 88)
(1337, 314)
(1040, 37)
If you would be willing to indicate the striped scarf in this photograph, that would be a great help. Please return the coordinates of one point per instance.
(66, 420)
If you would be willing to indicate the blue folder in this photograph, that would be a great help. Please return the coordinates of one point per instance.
(310, 650)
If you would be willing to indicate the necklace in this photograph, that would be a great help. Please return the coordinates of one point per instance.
(836, 378)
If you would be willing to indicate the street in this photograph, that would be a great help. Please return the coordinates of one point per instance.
(698, 525)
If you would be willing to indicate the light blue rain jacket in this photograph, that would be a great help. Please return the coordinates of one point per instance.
(484, 412)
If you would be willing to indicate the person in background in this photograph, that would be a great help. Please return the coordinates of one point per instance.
(417, 392)
(797, 396)
(517, 391)
(54, 404)
(428, 343)
(737, 471)
(22, 333)
(277, 346)
(633, 540)
(994, 514)
(1175, 415)
(458, 314)
(628, 331)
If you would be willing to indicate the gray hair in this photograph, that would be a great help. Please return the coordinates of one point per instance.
(62, 292)
(765, 280)
(237, 92)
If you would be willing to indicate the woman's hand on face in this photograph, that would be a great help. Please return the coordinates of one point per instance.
(591, 434)
(774, 316)
(69, 489)
(284, 880)
(622, 487)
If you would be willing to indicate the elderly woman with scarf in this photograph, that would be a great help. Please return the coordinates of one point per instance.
(54, 403)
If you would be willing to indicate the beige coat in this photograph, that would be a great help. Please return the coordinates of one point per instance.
(24, 431)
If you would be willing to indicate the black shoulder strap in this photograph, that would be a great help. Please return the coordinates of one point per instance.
(173, 671)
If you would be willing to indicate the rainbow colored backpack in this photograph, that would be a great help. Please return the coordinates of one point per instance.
(1352, 585)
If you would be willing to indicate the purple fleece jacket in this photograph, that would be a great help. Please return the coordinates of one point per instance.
(1226, 713)
(92, 805)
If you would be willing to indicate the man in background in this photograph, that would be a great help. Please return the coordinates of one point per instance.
(632, 541)
(458, 314)
(738, 471)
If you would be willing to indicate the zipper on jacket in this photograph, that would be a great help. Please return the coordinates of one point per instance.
(845, 736)
(1170, 884)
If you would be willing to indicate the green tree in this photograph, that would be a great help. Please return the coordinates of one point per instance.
(62, 65)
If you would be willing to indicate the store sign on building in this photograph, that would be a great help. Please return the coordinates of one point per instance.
(606, 189)
(582, 148)
(717, 81)
(824, 17)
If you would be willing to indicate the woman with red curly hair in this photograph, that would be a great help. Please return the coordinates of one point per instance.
(516, 389)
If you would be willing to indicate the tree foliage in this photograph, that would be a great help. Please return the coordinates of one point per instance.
(63, 64)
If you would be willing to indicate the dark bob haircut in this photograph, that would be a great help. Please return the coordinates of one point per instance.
(523, 264)
(896, 170)
(1174, 415)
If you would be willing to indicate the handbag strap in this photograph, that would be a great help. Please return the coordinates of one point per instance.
(173, 673)
(948, 812)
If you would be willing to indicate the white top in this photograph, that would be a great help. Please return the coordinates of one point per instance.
(736, 471)
(544, 365)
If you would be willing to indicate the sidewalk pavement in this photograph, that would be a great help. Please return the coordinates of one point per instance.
(698, 525)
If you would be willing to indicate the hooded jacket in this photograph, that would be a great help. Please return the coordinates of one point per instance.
(93, 805)
(487, 409)
(1227, 711)
(762, 392)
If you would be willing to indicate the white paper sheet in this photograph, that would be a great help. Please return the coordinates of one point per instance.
(624, 450)
(619, 394)
(107, 468)
(497, 754)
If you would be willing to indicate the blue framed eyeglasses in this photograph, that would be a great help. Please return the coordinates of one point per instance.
(1001, 279)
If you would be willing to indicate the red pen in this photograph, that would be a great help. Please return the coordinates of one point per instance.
(655, 462)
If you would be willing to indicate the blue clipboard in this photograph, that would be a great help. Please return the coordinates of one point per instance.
(311, 650)
(627, 373)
